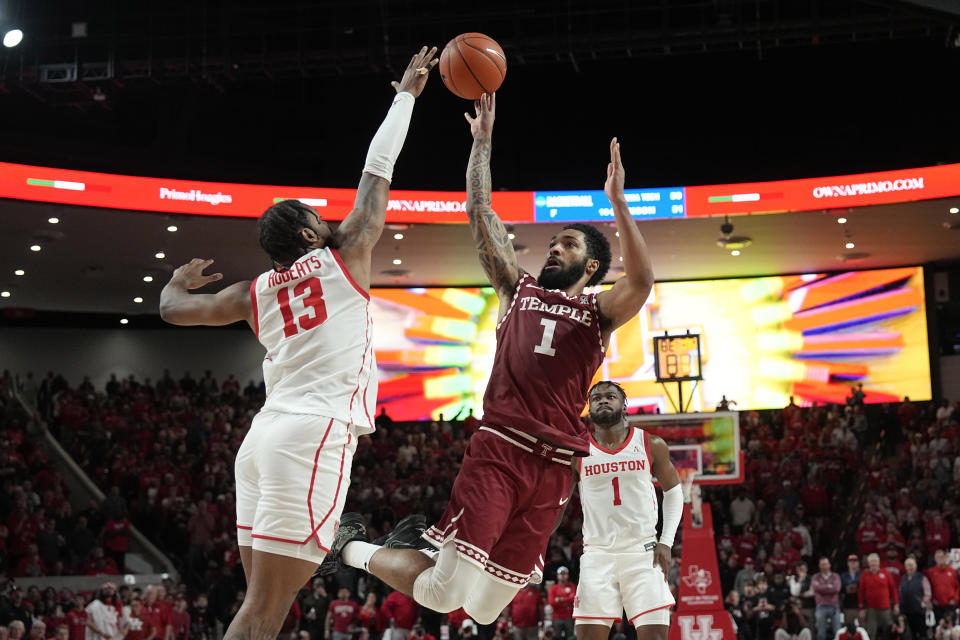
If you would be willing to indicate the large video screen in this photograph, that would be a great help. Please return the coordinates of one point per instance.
(762, 340)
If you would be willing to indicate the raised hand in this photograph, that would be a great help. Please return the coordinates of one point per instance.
(485, 110)
(190, 275)
(613, 187)
(415, 76)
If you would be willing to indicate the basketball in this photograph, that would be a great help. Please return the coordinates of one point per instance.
(472, 64)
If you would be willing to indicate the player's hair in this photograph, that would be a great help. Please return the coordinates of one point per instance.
(279, 229)
(623, 394)
(598, 248)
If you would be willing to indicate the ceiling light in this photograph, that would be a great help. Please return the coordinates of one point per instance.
(124, 321)
(617, 234)
(398, 236)
(148, 278)
(954, 210)
(841, 221)
(34, 247)
(172, 228)
(734, 253)
(138, 299)
(159, 255)
(12, 38)
(511, 235)
(621, 258)
(19, 272)
(4, 294)
(849, 245)
(397, 261)
(53, 220)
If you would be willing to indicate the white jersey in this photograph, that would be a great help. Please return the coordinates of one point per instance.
(620, 507)
(314, 321)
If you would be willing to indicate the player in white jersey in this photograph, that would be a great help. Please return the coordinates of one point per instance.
(311, 313)
(624, 566)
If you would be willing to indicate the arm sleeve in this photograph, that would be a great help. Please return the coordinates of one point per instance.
(387, 142)
(672, 511)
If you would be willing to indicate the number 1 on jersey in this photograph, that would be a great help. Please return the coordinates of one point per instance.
(616, 490)
(545, 344)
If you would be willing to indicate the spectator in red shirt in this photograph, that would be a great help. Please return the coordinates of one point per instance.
(180, 620)
(159, 610)
(907, 412)
(878, 595)
(894, 566)
(526, 611)
(419, 633)
(401, 612)
(938, 533)
(456, 620)
(341, 615)
(560, 597)
(868, 537)
(140, 625)
(77, 619)
(116, 541)
(369, 616)
(945, 589)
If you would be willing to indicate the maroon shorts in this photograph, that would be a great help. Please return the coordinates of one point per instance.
(503, 507)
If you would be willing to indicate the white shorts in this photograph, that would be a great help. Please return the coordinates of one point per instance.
(292, 474)
(613, 582)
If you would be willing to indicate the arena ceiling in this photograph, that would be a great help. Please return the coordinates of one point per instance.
(290, 91)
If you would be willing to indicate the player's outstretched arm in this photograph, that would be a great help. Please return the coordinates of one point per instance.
(625, 299)
(497, 257)
(666, 474)
(179, 306)
(362, 227)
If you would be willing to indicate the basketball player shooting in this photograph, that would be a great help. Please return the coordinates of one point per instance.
(516, 476)
(624, 566)
(311, 314)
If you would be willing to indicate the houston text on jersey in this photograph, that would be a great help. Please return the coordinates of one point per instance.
(614, 467)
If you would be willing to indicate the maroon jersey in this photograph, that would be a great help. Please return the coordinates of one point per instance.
(548, 348)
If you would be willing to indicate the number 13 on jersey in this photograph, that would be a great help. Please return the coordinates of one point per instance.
(315, 310)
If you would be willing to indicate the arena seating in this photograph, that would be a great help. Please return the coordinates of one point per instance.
(163, 454)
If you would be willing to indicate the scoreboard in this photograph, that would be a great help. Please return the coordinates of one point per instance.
(677, 358)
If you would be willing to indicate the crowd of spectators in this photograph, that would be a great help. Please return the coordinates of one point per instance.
(163, 453)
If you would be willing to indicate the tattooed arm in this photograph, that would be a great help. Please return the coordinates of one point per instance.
(497, 257)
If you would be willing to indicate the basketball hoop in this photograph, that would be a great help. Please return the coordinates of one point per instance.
(686, 482)
(691, 494)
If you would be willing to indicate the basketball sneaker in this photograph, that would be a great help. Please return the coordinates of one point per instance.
(408, 534)
(351, 528)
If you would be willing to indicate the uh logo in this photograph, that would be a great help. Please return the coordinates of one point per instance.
(703, 631)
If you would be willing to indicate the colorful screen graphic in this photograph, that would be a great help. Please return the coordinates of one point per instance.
(761, 339)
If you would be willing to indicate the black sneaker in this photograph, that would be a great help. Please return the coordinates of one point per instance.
(408, 534)
(351, 528)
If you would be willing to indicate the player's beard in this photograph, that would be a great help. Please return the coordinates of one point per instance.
(562, 279)
(606, 418)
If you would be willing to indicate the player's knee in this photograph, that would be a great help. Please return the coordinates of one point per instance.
(482, 614)
(433, 592)
(487, 602)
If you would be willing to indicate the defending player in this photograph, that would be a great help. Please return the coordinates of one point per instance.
(515, 476)
(624, 566)
(311, 313)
